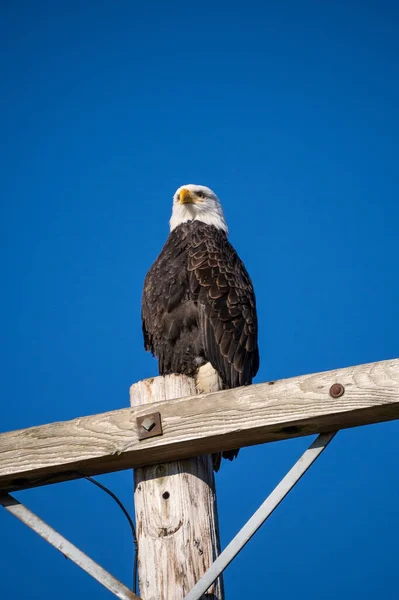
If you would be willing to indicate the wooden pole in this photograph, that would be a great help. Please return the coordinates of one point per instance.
(176, 514)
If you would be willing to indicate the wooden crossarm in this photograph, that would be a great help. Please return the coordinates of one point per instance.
(197, 425)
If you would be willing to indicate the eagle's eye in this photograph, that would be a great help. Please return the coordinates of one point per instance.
(200, 194)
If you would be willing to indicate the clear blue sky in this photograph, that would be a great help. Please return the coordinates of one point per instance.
(289, 111)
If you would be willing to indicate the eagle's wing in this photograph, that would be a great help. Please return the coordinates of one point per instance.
(227, 308)
(164, 290)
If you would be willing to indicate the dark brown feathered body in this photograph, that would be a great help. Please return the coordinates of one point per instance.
(199, 307)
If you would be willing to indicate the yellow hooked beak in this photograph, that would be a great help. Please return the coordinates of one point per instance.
(186, 197)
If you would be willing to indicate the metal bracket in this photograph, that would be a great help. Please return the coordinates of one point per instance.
(149, 426)
(16, 508)
(260, 516)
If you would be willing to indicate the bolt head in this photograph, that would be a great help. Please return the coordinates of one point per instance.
(148, 424)
(337, 390)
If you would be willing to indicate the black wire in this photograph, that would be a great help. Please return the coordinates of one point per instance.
(128, 517)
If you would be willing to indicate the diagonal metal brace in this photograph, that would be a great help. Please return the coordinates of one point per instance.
(54, 538)
(260, 516)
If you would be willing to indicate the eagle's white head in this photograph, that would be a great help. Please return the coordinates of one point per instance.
(196, 203)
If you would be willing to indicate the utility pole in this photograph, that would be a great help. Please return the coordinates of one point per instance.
(176, 512)
(175, 502)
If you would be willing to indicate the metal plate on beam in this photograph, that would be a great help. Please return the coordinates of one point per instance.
(149, 426)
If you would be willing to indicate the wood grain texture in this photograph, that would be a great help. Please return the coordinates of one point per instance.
(200, 425)
(176, 513)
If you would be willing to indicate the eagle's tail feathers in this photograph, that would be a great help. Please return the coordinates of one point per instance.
(208, 380)
(230, 454)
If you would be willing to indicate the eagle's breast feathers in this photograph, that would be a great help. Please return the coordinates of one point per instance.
(199, 303)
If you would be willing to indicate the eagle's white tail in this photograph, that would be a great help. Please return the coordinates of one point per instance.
(207, 380)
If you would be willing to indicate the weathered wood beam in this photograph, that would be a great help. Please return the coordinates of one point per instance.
(202, 424)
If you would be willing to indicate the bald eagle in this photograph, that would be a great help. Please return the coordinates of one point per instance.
(198, 307)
